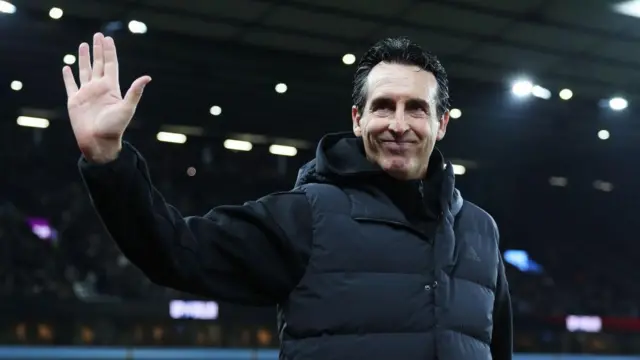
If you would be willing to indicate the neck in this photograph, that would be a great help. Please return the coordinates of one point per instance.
(414, 175)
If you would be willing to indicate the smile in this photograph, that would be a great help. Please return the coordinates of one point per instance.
(397, 145)
(397, 142)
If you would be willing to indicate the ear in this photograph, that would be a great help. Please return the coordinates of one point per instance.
(442, 125)
(355, 118)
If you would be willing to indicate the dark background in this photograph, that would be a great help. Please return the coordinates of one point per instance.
(78, 289)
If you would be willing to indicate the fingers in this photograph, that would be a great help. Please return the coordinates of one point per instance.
(133, 95)
(110, 60)
(98, 56)
(69, 82)
(84, 64)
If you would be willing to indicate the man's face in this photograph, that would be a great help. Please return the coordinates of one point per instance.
(399, 123)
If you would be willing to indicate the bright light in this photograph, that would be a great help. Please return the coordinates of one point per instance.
(193, 309)
(283, 150)
(455, 113)
(169, 137)
(566, 94)
(7, 7)
(237, 145)
(587, 324)
(603, 135)
(16, 85)
(540, 92)
(522, 88)
(618, 103)
(69, 59)
(629, 8)
(137, 27)
(281, 88)
(349, 59)
(603, 185)
(215, 110)
(55, 13)
(558, 181)
(191, 171)
(459, 169)
(33, 122)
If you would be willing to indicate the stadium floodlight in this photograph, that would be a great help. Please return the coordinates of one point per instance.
(348, 59)
(56, 13)
(459, 169)
(629, 8)
(618, 103)
(69, 59)
(170, 137)
(455, 113)
(540, 92)
(7, 7)
(16, 85)
(237, 145)
(215, 110)
(34, 122)
(137, 27)
(522, 88)
(603, 135)
(283, 150)
(281, 88)
(565, 94)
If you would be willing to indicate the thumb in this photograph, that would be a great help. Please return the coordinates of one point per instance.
(133, 95)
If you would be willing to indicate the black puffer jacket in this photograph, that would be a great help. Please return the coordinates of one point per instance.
(361, 266)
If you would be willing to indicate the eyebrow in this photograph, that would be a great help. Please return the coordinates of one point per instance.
(383, 101)
(418, 103)
(388, 101)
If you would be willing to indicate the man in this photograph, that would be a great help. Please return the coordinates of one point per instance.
(373, 255)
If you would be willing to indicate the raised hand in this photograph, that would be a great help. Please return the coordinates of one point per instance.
(99, 114)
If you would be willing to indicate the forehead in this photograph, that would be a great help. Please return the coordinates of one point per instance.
(401, 81)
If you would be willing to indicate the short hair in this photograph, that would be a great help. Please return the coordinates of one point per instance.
(400, 50)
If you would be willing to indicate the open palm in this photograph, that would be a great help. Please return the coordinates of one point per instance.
(99, 114)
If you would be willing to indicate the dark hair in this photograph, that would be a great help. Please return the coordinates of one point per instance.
(399, 50)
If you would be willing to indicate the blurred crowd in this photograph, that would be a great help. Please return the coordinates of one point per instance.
(78, 260)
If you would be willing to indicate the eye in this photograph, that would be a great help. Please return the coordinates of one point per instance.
(418, 113)
(383, 111)
(418, 108)
(382, 106)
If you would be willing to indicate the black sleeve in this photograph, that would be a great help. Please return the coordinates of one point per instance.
(252, 254)
(502, 340)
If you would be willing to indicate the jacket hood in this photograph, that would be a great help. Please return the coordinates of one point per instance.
(340, 158)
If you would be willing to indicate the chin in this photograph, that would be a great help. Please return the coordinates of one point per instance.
(399, 168)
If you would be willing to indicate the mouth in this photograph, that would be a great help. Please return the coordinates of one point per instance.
(397, 146)
(401, 142)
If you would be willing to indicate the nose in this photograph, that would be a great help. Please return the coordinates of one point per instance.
(397, 124)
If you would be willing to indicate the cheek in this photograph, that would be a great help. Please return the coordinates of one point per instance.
(375, 126)
(425, 128)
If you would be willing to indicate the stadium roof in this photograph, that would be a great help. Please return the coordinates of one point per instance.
(581, 44)
(232, 53)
